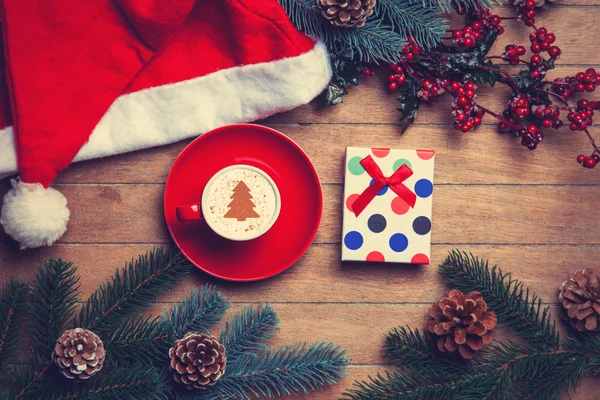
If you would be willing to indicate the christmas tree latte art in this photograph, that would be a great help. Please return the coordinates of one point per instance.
(241, 202)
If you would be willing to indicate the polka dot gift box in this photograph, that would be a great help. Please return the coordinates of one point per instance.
(387, 205)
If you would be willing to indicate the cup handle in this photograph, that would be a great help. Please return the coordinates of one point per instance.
(191, 212)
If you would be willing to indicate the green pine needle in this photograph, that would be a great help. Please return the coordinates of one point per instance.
(246, 333)
(131, 382)
(29, 381)
(517, 309)
(133, 289)
(287, 371)
(12, 300)
(52, 303)
(446, 5)
(142, 340)
(202, 309)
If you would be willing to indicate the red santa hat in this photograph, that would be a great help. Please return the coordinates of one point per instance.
(95, 78)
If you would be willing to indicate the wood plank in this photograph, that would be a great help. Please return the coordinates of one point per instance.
(310, 280)
(461, 214)
(483, 156)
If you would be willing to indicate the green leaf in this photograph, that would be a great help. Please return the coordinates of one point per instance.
(133, 289)
(409, 104)
(483, 77)
(12, 301)
(202, 309)
(52, 302)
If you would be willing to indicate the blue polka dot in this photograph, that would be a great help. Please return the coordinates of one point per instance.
(353, 240)
(382, 191)
(423, 188)
(398, 242)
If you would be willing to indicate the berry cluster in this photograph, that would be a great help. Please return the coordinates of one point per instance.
(518, 108)
(526, 10)
(550, 115)
(467, 115)
(590, 161)
(411, 50)
(431, 89)
(512, 53)
(468, 36)
(582, 82)
(541, 40)
(580, 117)
(396, 76)
(530, 136)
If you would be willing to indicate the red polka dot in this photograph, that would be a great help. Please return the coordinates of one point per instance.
(350, 200)
(425, 154)
(380, 152)
(419, 258)
(375, 256)
(399, 206)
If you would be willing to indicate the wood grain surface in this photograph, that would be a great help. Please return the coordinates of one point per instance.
(535, 214)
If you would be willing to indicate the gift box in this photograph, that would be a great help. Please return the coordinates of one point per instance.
(387, 205)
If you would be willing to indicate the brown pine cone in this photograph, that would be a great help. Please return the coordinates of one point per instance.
(462, 323)
(197, 360)
(79, 353)
(347, 13)
(580, 298)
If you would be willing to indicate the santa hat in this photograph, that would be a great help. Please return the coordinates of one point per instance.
(95, 78)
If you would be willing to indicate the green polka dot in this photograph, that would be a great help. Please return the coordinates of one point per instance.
(401, 161)
(355, 167)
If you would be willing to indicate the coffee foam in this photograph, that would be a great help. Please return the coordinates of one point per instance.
(240, 204)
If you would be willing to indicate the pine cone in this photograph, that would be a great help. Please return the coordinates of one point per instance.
(462, 322)
(347, 13)
(79, 353)
(580, 298)
(197, 360)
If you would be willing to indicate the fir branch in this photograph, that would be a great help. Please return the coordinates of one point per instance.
(588, 344)
(409, 350)
(202, 309)
(373, 42)
(52, 303)
(446, 5)
(133, 289)
(132, 382)
(515, 307)
(12, 300)
(423, 23)
(288, 370)
(143, 340)
(29, 381)
(245, 334)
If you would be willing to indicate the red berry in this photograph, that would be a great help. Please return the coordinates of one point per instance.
(551, 37)
(457, 34)
(367, 71)
(590, 87)
(545, 45)
(581, 158)
(530, 4)
(522, 102)
(391, 77)
(542, 30)
(469, 42)
(464, 128)
(573, 126)
(476, 25)
(536, 58)
(521, 50)
(476, 35)
(511, 51)
(547, 123)
(392, 66)
(500, 30)
(398, 70)
(596, 157)
(401, 79)
(462, 101)
(535, 74)
(470, 86)
(583, 103)
(532, 146)
(502, 126)
(468, 30)
(536, 48)
(476, 121)
(580, 87)
(454, 86)
(470, 94)
(590, 71)
(410, 56)
(589, 162)
(416, 50)
(495, 20)
(393, 86)
(514, 60)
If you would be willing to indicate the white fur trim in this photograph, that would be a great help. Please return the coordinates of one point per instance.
(34, 216)
(169, 113)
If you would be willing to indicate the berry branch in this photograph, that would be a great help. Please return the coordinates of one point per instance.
(460, 64)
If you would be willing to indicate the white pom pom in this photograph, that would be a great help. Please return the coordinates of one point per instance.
(34, 216)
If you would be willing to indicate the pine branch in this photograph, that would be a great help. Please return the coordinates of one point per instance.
(133, 289)
(12, 300)
(202, 309)
(422, 23)
(29, 381)
(373, 42)
(288, 370)
(143, 340)
(246, 333)
(133, 382)
(516, 308)
(588, 344)
(52, 303)
(414, 353)
(446, 5)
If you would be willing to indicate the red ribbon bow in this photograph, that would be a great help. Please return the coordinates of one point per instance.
(394, 182)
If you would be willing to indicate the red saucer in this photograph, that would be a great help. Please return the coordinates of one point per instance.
(285, 163)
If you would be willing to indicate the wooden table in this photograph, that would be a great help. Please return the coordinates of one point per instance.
(536, 214)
